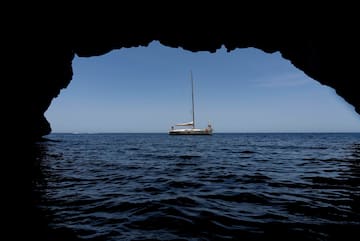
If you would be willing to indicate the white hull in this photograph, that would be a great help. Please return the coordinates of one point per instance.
(205, 131)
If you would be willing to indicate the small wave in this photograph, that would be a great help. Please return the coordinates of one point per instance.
(183, 184)
(247, 152)
(240, 198)
(256, 178)
(185, 164)
(132, 149)
(181, 201)
(189, 157)
(309, 159)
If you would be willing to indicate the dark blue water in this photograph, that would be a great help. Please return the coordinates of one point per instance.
(220, 187)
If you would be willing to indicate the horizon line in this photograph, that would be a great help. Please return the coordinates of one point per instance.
(221, 132)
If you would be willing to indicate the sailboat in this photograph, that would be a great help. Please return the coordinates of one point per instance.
(189, 127)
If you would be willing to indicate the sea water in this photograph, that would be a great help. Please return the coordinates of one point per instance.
(256, 186)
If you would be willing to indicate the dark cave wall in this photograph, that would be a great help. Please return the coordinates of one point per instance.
(48, 70)
(40, 45)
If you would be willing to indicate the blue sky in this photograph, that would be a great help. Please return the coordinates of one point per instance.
(148, 89)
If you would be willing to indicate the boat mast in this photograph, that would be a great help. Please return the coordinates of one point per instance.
(192, 98)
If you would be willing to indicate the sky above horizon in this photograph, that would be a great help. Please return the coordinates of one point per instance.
(148, 89)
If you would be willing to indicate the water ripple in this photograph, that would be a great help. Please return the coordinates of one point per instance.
(226, 187)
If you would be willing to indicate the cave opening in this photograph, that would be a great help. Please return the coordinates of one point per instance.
(146, 89)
